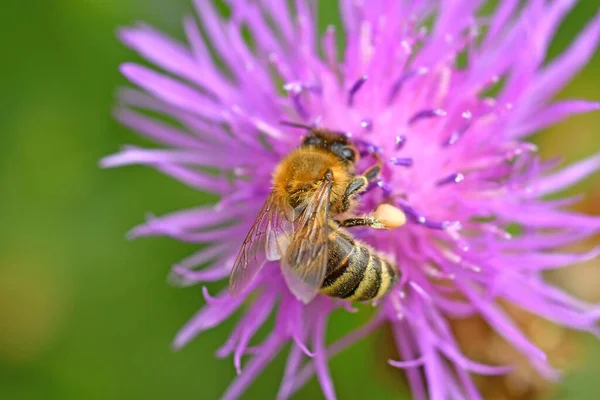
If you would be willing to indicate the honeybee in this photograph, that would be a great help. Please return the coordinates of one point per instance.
(310, 187)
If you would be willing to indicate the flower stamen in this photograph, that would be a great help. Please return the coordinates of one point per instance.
(415, 217)
(387, 189)
(295, 90)
(397, 85)
(402, 161)
(400, 141)
(452, 178)
(425, 114)
(355, 88)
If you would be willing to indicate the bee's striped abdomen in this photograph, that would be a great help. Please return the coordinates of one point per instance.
(354, 272)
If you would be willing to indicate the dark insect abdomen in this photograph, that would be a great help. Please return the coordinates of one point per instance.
(354, 272)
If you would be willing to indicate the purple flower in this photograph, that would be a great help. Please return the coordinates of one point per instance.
(457, 161)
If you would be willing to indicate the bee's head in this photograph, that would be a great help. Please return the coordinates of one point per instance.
(335, 142)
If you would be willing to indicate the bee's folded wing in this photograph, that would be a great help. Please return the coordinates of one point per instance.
(267, 240)
(305, 262)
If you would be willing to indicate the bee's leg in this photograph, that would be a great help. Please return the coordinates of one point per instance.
(358, 185)
(385, 216)
(372, 173)
(368, 220)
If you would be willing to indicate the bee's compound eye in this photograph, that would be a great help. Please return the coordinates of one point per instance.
(348, 154)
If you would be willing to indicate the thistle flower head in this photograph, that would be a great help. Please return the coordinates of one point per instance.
(445, 97)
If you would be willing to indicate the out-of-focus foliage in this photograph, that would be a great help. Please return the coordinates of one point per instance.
(85, 313)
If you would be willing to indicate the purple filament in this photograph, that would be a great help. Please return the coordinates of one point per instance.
(453, 178)
(429, 113)
(520, 149)
(355, 88)
(402, 161)
(295, 89)
(400, 142)
(397, 85)
(299, 87)
(417, 218)
(367, 147)
(314, 88)
(387, 189)
(297, 102)
(457, 134)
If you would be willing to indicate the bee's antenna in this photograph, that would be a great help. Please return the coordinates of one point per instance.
(296, 125)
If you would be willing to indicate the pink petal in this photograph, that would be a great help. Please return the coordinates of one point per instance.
(552, 115)
(134, 155)
(320, 358)
(268, 350)
(180, 221)
(160, 132)
(208, 317)
(172, 91)
(556, 75)
(568, 176)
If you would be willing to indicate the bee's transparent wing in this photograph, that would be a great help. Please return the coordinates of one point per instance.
(305, 262)
(280, 231)
(267, 240)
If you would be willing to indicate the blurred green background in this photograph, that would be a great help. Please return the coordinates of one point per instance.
(86, 314)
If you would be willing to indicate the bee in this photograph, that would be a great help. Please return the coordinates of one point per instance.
(297, 226)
